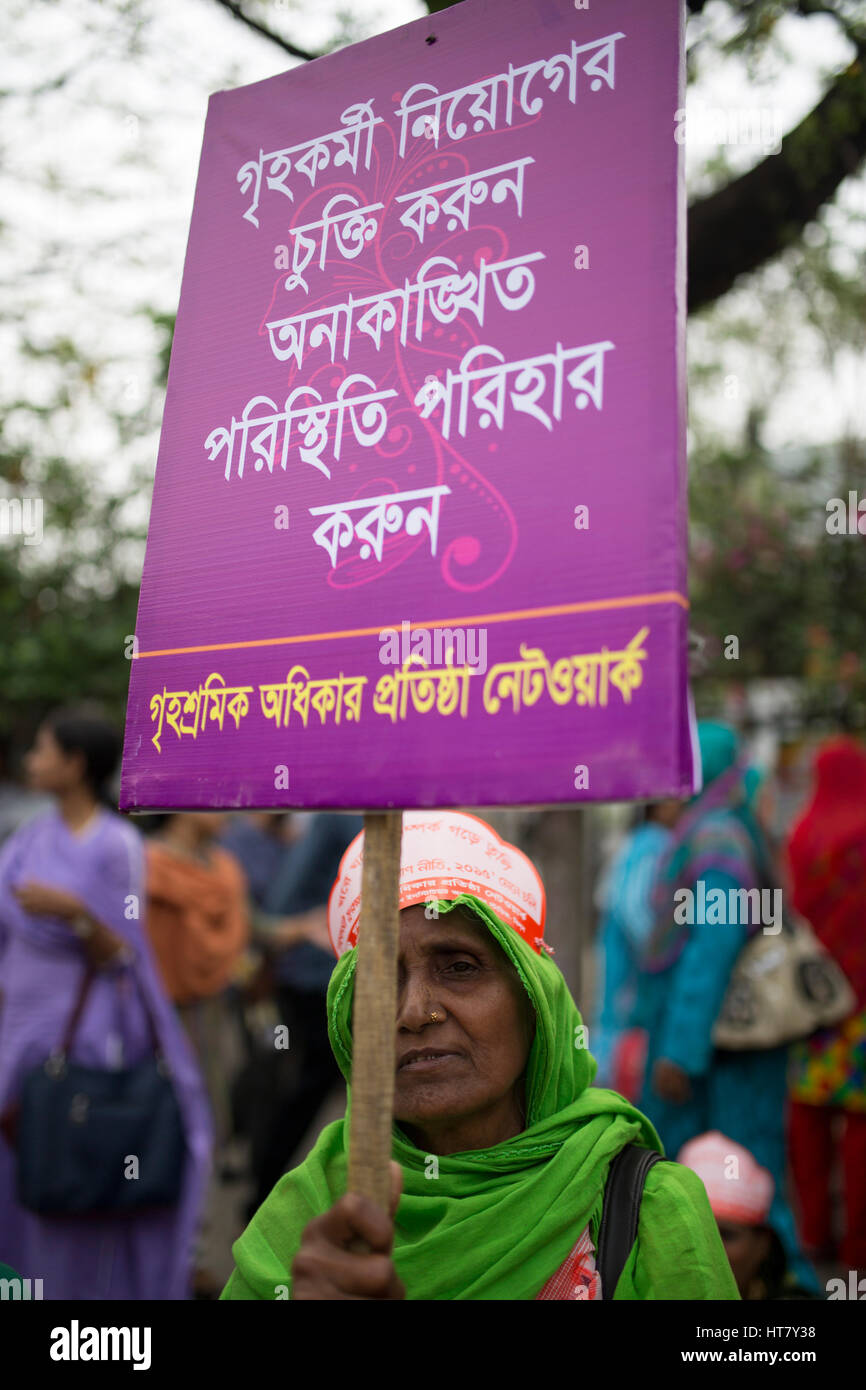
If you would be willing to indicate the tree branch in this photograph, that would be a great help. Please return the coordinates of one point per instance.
(234, 8)
(52, 84)
(755, 217)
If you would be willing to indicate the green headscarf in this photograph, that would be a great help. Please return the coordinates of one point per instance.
(719, 747)
(495, 1223)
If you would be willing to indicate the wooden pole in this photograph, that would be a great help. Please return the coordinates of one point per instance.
(375, 1009)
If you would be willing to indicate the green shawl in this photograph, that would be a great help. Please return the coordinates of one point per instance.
(495, 1223)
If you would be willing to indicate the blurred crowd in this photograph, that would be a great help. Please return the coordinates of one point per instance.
(204, 937)
(742, 1034)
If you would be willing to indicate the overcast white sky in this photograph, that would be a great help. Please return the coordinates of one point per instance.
(120, 143)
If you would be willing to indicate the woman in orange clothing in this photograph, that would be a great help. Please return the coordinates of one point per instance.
(199, 925)
(197, 910)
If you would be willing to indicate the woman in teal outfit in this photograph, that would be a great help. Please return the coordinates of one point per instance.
(691, 1087)
(625, 926)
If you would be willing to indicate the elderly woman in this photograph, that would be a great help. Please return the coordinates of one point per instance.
(502, 1144)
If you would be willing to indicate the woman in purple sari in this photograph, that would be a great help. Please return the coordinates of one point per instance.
(71, 896)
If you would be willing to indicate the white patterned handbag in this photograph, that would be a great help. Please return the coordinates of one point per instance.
(783, 987)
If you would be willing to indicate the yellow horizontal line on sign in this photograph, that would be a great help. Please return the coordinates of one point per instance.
(478, 619)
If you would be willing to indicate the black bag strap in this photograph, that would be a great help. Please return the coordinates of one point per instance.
(619, 1217)
(77, 1009)
(81, 998)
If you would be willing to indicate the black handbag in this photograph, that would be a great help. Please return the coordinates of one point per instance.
(93, 1141)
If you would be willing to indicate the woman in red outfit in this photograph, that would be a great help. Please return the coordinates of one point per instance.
(827, 853)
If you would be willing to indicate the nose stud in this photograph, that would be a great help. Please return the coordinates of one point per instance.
(434, 1018)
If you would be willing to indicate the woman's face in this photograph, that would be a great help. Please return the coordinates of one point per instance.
(207, 824)
(746, 1247)
(49, 768)
(459, 1079)
(668, 812)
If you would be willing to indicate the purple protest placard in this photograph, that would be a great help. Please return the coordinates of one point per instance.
(418, 524)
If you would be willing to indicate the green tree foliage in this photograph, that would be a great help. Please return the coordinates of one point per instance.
(68, 604)
(766, 564)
